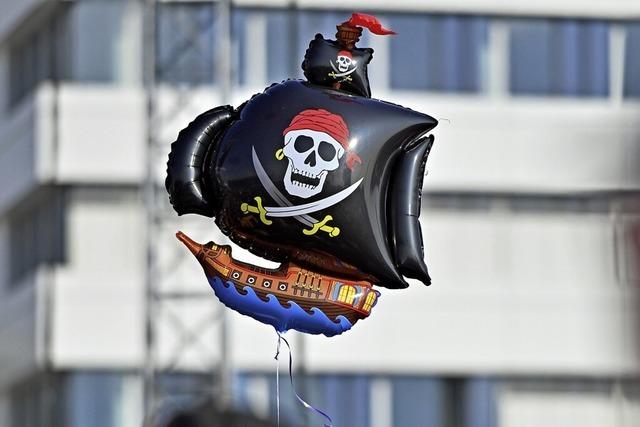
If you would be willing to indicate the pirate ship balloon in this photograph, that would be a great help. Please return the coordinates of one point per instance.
(316, 175)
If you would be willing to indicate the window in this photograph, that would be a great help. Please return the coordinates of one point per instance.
(445, 402)
(346, 398)
(36, 235)
(29, 65)
(288, 36)
(445, 52)
(407, 401)
(90, 41)
(440, 53)
(347, 294)
(99, 41)
(283, 58)
(632, 61)
(559, 57)
(100, 399)
(239, 69)
(32, 53)
(185, 43)
(371, 299)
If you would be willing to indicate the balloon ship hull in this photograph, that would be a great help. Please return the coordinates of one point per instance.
(289, 297)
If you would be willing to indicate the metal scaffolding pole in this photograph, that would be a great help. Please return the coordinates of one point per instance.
(149, 61)
(224, 82)
(155, 369)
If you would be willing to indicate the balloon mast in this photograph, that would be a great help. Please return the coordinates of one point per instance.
(315, 175)
(350, 31)
(347, 37)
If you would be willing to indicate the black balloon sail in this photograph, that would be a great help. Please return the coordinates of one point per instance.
(316, 175)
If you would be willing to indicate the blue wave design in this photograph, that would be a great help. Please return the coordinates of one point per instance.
(273, 313)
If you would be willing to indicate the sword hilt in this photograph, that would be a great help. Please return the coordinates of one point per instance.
(260, 210)
(322, 226)
(346, 78)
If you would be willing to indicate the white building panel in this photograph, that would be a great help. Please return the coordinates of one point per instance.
(99, 294)
(102, 134)
(529, 145)
(543, 404)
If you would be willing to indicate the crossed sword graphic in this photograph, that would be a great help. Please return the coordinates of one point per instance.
(336, 73)
(287, 209)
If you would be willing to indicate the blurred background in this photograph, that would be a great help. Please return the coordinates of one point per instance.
(531, 218)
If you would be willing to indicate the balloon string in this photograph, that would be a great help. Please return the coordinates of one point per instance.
(278, 381)
(293, 388)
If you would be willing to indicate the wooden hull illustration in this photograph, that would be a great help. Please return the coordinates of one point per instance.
(288, 297)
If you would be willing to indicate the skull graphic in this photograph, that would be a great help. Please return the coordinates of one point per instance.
(345, 61)
(312, 155)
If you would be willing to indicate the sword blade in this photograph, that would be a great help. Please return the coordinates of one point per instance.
(299, 210)
(318, 205)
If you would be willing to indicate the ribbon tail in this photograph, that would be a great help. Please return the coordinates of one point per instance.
(278, 379)
(329, 421)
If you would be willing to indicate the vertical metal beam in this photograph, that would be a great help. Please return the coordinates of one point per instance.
(294, 37)
(255, 59)
(148, 190)
(223, 62)
(617, 40)
(157, 301)
(48, 385)
(496, 66)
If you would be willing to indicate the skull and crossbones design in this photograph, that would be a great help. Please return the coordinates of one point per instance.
(344, 61)
(314, 143)
(344, 65)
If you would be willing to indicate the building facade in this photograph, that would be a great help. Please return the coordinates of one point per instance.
(530, 215)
